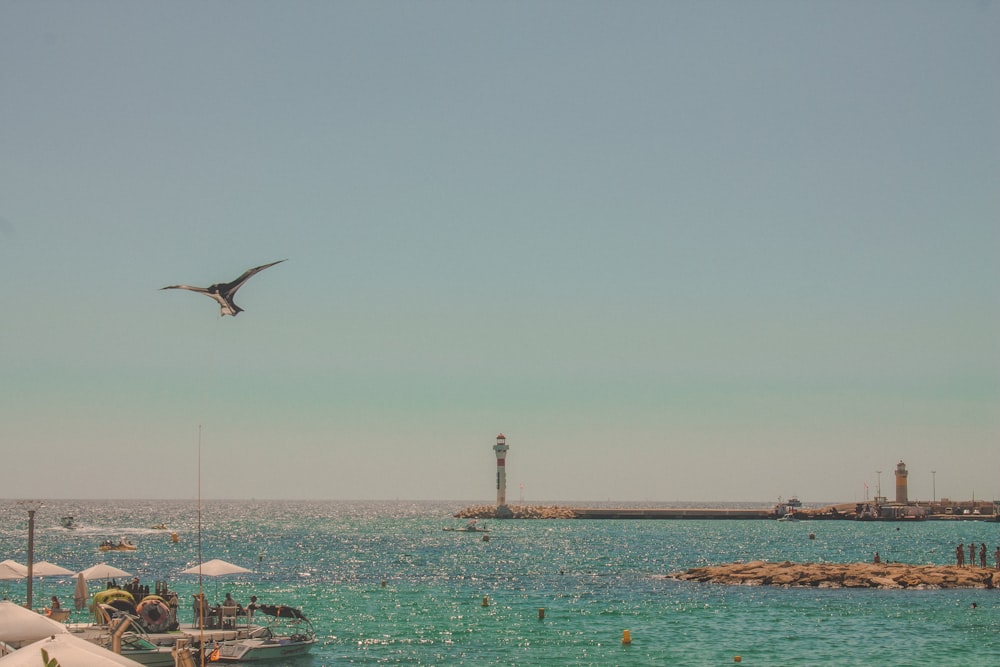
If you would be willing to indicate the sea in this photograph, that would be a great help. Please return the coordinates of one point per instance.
(384, 584)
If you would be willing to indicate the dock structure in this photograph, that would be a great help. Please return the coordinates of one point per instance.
(670, 513)
(564, 512)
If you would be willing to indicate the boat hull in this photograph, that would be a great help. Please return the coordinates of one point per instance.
(251, 650)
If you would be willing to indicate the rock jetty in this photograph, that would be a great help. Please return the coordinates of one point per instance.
(845, 575)
(517, 512)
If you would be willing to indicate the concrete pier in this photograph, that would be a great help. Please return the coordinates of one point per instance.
(670, 513)
(553, 512)
(844, 511)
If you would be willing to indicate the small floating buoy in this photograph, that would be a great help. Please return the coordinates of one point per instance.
(541, 613)
(173, 538)
(626, 637)
(486, 600)
(737, 658)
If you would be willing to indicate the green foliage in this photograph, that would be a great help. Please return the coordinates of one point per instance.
(47, 662)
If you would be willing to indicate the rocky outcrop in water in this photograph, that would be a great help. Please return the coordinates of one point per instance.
(516, 512)
(845, 575)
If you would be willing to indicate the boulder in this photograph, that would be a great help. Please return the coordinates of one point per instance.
(848, 575)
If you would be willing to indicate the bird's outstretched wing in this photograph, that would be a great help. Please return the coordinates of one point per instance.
(223, 293)
(190, 287)
(230, 288)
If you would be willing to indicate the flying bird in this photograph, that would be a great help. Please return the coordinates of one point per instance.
(223, 293)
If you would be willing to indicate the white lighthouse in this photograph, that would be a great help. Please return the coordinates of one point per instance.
(501, 451)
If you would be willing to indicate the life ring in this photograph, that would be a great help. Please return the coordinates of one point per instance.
(155, 614)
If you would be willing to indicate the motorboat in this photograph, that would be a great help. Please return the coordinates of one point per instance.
(122, 632)
(785, 511)
(471, 527)
(143, 651)
(67, 522)
(124, 544)
(288, 633)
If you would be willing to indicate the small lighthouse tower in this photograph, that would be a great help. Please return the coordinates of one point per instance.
(901, 475)
(501, 451)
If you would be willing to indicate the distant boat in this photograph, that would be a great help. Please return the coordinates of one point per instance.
(785, 511)
(867, 512)
(471, 527)
(122, 545)
(67, 522)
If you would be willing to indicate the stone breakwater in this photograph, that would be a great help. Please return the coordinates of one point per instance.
(847, 575)
(517, 512)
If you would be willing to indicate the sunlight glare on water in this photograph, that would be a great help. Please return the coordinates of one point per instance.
(594, 579)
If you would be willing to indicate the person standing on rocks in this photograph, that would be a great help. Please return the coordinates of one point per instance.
(972, 554)
(996, 557)
(982, 554)
(960, 555)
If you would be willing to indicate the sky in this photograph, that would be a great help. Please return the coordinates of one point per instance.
(674, 251)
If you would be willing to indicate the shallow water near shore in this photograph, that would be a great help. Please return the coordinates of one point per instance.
(594, 579)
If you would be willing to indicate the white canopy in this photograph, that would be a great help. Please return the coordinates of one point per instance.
(12, 570)
(69, 650)
(20, 626)
(43, 568)
(216, 568)
(103, 571)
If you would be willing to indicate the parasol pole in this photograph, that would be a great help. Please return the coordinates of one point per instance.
(32, 506)
(201, 590)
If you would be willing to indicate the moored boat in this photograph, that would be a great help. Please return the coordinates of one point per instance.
(288, 633)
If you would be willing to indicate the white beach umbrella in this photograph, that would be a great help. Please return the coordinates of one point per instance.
(20, 626)
(43, 568)
(68, 650)
(216, 568)
(103, 571)
(12, 570)
(80, 594)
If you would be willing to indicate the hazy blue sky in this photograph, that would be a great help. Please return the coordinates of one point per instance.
(673, 250)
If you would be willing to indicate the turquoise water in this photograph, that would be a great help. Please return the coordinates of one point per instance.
(594, 580)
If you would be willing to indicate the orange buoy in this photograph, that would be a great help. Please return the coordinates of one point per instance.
(626, 637)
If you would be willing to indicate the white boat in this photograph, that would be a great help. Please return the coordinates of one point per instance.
(471, 527)
(124, 634)
(288, 634)
(144, 652)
